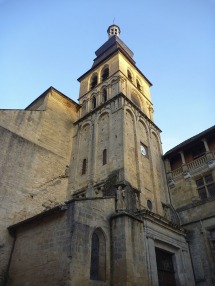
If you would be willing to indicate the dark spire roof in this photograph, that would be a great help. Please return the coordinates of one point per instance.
(113, 44)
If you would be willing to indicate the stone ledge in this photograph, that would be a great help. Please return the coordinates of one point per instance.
(37, 217)
(124, 213)
(146, 214)
(195, 204)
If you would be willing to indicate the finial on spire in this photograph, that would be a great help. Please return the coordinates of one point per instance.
(113, 30)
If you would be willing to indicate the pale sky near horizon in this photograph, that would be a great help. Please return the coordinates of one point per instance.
(47, 43)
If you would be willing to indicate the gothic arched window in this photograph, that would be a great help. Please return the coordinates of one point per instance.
(98, 256)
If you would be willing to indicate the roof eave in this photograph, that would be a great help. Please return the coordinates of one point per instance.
(59, 208)
(189, 141)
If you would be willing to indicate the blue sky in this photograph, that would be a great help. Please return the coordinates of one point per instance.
(47, 43)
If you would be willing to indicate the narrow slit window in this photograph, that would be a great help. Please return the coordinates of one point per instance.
(104, 160)
(84, 166)
(138, 85)
(94, 102)
(104, 95)
(129, 75)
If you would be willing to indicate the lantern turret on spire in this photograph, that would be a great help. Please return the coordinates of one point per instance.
(113, 30)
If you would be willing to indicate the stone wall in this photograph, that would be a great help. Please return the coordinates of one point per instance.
(184, 192)
(144, 172)
(54, 248)
(128, 251)
(197, 211)
(120, 129)
(40, 255)
(201, 251)
(198, 219)
(35, 154)
(99, 130)
(89, 215)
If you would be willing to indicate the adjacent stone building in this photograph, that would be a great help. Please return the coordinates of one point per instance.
(84, 195)
(190, 168)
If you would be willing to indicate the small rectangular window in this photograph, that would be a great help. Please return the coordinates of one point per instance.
(206, 187)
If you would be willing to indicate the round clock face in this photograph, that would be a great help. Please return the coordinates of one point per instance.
(143, 150)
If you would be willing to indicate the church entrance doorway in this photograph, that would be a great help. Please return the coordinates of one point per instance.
(165, 267)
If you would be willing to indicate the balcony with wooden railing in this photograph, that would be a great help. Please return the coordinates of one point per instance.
(197, 162)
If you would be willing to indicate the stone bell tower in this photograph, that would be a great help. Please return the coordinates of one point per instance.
(115, 139)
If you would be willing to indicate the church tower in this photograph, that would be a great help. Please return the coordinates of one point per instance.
(118, 226)
(115, 139)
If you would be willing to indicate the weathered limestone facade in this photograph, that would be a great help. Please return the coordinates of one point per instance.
(84, 194)
(60, 244)
(35, 155)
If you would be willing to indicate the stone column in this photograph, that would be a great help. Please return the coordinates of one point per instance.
(204, 140)
(182, 157)
(168, 170)
(188, 277)
(185, 170)
(209, 155)
(109, 91)
(127, 247)
(153, 273)
(151, 111)
(167, 165)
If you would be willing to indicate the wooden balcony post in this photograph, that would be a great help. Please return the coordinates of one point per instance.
(204, 140)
